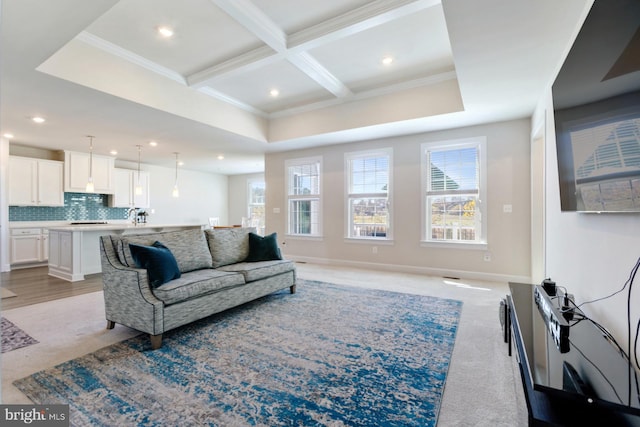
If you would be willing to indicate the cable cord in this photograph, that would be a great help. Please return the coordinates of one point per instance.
(631, 275)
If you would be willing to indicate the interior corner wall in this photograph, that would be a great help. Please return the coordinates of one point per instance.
(239, 196)
(590, 254)
(508, 176)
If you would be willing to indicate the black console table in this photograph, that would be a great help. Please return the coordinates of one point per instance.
(550, 404)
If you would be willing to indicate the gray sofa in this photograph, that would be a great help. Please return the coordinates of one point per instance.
(213, 277)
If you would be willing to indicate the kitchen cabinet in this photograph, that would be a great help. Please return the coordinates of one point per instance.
(76, 172)
(63, 262)
(35, 182)
(29, 245)
(125, 182)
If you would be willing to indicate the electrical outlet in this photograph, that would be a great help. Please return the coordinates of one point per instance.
(487, 256)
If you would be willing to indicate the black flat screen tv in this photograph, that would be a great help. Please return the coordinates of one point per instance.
(596, 102)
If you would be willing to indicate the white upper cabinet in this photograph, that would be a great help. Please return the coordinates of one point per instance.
(125, 183)
(35, 182)
(76, 172)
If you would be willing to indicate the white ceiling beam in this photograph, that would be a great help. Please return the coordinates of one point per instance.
(312, 68)
(368, 16)
(247, 61)
(253, 19)
(260, 25)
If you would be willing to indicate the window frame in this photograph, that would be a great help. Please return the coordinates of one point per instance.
(348, 158)
(289, 197)
(250, 182)
(480, 143)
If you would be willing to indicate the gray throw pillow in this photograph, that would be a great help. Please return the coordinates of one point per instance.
(229, 245)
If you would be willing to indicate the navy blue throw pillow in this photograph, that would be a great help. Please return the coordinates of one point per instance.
(263, 248)
(158, 260)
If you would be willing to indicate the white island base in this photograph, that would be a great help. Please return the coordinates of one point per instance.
(74, 251)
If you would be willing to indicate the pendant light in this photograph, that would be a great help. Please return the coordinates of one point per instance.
(175, 192)
(138, 187)
(90, 187)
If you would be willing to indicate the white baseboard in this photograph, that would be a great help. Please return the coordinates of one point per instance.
(429, 271)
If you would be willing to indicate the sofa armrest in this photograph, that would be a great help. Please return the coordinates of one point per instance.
(128, 298)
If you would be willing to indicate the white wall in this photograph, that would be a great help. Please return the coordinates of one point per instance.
(239, 196)
(4, 206)
(202, 195)
(508, 183)
(589, 254)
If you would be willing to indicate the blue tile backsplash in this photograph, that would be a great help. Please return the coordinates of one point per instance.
(77, 207)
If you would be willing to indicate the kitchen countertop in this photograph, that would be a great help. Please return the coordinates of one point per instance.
(85, 226)
(126, 226)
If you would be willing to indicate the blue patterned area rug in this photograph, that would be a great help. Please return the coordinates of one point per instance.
(326, 356)
(14, 337)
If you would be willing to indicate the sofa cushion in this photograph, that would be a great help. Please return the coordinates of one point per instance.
(263, 248)
(196, 283)
(253, 271)
(159, 262)
(189, 247)
(228, 245)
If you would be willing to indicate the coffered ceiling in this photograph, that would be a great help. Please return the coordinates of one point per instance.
(102, 68)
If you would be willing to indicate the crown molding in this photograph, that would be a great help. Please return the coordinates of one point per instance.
(129, 56)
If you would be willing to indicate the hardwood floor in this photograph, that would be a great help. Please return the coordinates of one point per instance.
(34, 285)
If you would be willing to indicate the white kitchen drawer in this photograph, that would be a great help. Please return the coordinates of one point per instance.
(25, 231)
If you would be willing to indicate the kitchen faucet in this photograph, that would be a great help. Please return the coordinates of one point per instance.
(135, 215)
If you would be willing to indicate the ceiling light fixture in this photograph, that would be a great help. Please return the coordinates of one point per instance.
(153, 143)
(274, 92)
(138, 188)
(220, 157)
(113, 152)
(8, 135)
(90, 187)
(165, 31)
(387, 60)
(38, 119)
(175, 192)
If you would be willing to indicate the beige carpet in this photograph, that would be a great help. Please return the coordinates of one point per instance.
(480, 388)
(6, 293)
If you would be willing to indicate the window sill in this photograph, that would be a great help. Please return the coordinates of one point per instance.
(369, 240)
(303, 237)
(474, 246)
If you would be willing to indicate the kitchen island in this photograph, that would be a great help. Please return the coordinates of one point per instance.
(74, 250)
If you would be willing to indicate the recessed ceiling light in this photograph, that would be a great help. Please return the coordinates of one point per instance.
(165, 31)
(180, 163)
(220, 157)
(38, 119)
(8, 135)
(153, 143)
(274, 92)
(113, 152)
(387, 60)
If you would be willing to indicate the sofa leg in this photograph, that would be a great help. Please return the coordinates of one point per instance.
(110, 324)
(292, 289)
(156, 341)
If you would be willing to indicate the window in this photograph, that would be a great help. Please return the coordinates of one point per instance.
(256, 205)
(303, 194)
(368, 189)
(454, 190)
